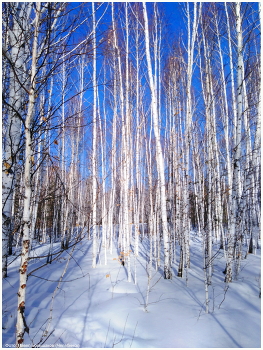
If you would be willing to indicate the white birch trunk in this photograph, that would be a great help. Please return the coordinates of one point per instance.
(124, 219)
(127, 147)
(13, 127)
(232, 74)
(137, 150)
(237, 150)
(94, 144)
(63, 161)
(190, 57)
(114, 148)
(21, 326)
(159, 153)
(103, 192)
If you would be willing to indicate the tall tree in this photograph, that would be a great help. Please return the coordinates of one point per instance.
(21, 326)
(159, 152)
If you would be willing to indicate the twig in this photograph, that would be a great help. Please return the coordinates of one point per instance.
(213, 299)
(59, 337)
(113, 284)
(155, 282)
(57, 288)
(200, 311)
(42, 278)
(8, 282)
(77, 263)
(37, 333)
(133, 334)
(107, 335)
(17, 256)
(139, 301)
(226, 289)
(122, 332)
(39, 343)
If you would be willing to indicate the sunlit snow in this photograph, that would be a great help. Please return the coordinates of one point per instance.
(100, 308)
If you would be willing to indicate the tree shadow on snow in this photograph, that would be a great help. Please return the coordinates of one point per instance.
(226, 332)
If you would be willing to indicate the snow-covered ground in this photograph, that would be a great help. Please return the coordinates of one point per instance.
(99, 308)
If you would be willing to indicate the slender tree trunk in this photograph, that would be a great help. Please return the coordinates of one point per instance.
(159, 153)
(13, 127)
(127, 150)
(21, 326)
(237, 151)
(63, 161)
(232, 74)
(94, 144)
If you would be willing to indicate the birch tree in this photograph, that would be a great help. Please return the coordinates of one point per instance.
(94, 142)
(21, 326)
(159, 152)
(237, 150)
(16, 59)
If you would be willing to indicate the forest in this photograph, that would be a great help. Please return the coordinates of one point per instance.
(131, 166)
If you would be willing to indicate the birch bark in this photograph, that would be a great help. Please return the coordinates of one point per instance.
(94, 144)
(159, 153)
(13, 127)
(188, 123)
(21, 326)
(237, 150)
(127, 147)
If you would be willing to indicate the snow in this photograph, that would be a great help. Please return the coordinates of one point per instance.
(99, 308)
